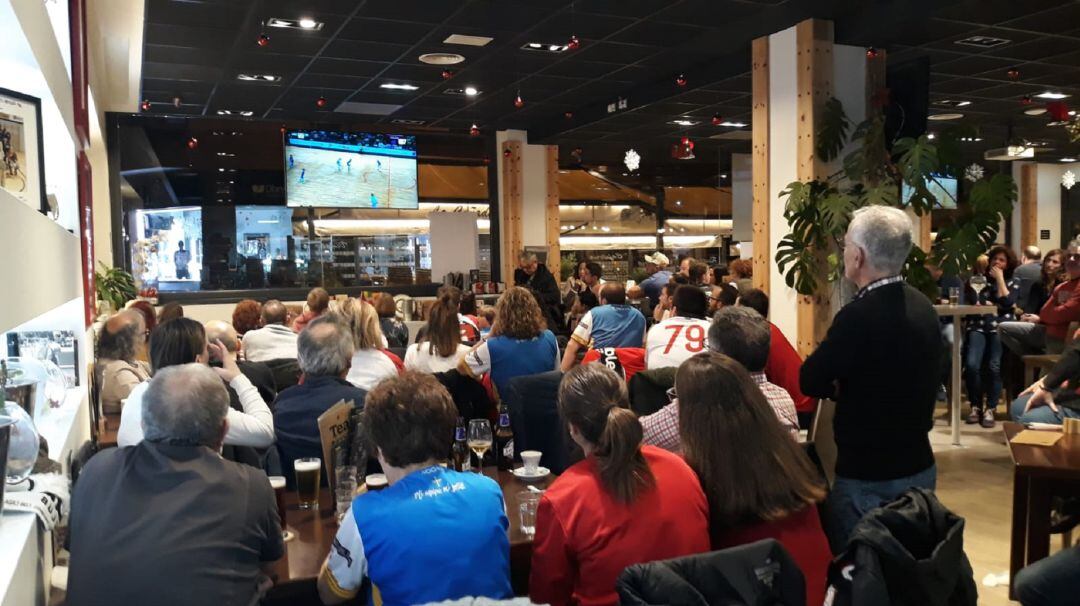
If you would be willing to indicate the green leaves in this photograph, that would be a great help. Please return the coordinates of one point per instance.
(917, 163)
(114, 285)
(995, 195)
(832, 135)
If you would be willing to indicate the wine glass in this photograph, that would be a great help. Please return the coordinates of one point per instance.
(978, 283)
(480, 439)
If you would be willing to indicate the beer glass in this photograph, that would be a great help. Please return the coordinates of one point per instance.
(307, 482)
(278, 484)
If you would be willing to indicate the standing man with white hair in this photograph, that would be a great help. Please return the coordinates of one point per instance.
(168, 520)
(880, 362)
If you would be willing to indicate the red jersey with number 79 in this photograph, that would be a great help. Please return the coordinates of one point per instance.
(672, 341)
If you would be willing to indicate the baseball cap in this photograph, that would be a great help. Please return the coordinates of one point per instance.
(657, 258)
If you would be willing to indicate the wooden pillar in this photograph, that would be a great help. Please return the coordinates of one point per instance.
(551, 210)
(513, 187)
(762, 251)
(814, 86)
(1029, 205)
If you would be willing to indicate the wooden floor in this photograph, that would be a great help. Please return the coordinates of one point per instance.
(975, 481)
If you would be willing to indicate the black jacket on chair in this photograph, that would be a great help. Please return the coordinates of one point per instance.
(534, 417)
(909, 552)
(756, 574)
(469, 395)
(648, 390)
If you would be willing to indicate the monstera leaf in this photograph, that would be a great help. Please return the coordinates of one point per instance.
(917, 164)
(832, 136)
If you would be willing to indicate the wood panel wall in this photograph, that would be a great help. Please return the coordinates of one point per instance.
(551, 209)
(762, 250)
(814, 86)
(1029, 205)
(512, 205)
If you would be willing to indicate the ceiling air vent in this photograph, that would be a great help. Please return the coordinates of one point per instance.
(983, 41)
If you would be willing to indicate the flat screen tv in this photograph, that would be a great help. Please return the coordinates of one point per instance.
(350, 170)
(944, 189)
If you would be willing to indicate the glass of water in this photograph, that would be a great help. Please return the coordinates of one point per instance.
(527, 504)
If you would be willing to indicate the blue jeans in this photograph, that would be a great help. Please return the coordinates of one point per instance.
(983, 351)
(1050, 581)
(849, 500)
(1042, 414)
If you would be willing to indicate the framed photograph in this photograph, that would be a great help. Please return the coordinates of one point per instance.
(22, 154)
(60, 347)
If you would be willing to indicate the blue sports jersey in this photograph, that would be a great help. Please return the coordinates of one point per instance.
(611, 326)
(435, 535)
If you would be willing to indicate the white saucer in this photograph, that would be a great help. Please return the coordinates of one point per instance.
(541, 472)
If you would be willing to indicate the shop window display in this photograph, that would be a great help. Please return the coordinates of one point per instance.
(166, 248)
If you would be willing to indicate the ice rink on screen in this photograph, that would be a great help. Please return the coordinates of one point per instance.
(391, 180)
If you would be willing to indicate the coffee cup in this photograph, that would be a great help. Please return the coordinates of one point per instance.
(531, 458)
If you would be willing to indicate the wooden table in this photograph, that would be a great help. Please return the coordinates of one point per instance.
(957, 312)
(295, 574)
(1039, 473)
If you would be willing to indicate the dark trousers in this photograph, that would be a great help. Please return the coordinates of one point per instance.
(982, 368)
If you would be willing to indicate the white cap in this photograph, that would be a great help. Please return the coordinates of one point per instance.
(657, 258)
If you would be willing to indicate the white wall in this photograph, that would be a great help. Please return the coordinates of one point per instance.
(783, 169)
(742, 200)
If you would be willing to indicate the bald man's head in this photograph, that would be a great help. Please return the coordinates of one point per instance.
(124, 318)
(274, 312)
(216, 330)
(613, 293)
(122, 336)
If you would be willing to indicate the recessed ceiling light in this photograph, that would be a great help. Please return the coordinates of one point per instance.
(1068, 159)
(983, 41)
(1035, 111)
(468, 40)
(258, 77)
(235, 112)
(947, 116)
(930, 136)
(303, 23)
(545, 47)
(1051, 95)
(393, 86)
(733, 124)
(951, 103)
(683, 122)
(408, 122)
(471, 91)
(441, 58)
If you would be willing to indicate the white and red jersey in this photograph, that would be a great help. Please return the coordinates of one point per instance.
(674, 340)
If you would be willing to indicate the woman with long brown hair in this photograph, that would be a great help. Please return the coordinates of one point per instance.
(440, 348)
(759, 482)
(370, 364)
(623, 504)
(519, 343)
(1053, 273)
(998, 290)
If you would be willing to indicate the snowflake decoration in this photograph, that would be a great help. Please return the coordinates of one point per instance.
(1068, 179)
(973, 173)
(632, 160)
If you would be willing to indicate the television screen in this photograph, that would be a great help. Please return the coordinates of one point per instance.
(944, 190)
(350, 170)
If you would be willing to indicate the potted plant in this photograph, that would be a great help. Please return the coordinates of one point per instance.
(114, 286)
(818, 212)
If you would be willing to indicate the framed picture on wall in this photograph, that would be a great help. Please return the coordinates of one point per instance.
(22, 154)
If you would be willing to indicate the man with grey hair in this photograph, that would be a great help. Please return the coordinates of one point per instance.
(1029, 273)
(273, 340)
(118, 368)
(536, 276)
(325, 350)
(258, 373)
(880, 361)
(139, 514)
(744, 335)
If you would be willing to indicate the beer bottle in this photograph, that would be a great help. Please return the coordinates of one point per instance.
(504, 440)
(459, 454)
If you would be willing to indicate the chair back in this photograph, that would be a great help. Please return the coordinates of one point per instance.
(648, 390)
(534, 417)
(286, 372)
(95, 400)
(823, 440)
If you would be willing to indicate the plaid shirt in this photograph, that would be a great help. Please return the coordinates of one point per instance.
(876, 284)
(662, 427)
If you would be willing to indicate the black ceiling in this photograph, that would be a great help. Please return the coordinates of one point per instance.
(194, 49)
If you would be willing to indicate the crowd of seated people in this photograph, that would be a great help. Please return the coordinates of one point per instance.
(718, 465)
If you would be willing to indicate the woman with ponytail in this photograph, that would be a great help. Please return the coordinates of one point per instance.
(624, 504)
(759, 482)
(440, 348)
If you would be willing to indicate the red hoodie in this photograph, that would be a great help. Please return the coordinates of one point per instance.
(783, 369)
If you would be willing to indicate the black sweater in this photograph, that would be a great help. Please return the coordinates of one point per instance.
(881, 362)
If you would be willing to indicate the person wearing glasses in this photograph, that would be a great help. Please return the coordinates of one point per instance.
(1045, 331)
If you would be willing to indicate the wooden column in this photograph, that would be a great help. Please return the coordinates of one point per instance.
(814, 86)
(551, 210)
(510, 213)
(1029, 205)
(762, 250)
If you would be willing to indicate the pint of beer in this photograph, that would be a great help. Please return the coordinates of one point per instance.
(307, 482)
(278, 484)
